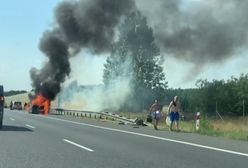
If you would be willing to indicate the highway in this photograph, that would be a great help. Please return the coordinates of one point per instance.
(37, 141)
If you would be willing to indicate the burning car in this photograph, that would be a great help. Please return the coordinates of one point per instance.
(40, 105)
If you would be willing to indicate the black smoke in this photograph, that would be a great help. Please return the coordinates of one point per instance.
(48, 79)
(78, 24)
(202, 32)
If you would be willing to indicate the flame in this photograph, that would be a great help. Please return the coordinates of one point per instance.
(42, 101)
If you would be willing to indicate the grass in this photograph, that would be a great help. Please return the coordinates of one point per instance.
(231, 128)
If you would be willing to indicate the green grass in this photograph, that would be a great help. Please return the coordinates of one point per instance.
(232, 128)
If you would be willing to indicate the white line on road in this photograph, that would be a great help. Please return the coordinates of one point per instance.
(80, 146)
(151, 136)
(30, 126)
(12, 119)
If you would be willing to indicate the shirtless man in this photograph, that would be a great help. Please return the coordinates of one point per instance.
(173, 111)
(156, 114)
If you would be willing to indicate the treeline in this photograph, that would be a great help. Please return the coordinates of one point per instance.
(135, 56)
(14, 92)
(226, 97)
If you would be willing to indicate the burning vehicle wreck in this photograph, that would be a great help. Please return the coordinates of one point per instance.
(40, 105)
(77, 28)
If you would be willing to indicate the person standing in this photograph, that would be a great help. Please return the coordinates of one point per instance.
(173, 112)
(156, 113)
(11, 105)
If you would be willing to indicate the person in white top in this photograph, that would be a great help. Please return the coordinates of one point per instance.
(155, 111)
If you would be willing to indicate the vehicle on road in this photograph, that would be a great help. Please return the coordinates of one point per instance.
(17, 105)
(1, 105)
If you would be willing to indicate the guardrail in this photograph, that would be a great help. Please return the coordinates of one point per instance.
(91, 114)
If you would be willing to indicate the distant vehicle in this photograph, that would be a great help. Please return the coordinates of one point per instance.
(17, 105)
(1, 105)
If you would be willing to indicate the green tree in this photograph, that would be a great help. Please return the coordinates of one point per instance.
(14, 92)
(136, 55)
(231, 97)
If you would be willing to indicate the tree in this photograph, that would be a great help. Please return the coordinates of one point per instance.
(136, 55)
(229, 95)
(14, 92)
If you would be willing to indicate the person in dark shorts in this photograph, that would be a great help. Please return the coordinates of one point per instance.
(173, 112)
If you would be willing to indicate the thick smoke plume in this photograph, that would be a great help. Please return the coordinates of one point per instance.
(202, 32)
(198, 31)
(78, 24)
(77, 95)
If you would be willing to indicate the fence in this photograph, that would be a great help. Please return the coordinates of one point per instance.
(91, 114)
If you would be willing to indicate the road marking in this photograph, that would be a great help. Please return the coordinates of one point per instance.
(80, 146)
(12, 119)
(30, 126)
(150, 136)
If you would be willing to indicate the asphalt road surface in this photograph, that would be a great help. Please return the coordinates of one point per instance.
(36, 141)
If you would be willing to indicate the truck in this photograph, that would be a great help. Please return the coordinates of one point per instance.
(1, 105)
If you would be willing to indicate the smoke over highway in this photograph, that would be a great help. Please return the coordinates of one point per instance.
(78, 24)
(196, 31)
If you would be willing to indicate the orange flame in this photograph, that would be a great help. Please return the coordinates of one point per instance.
(42, 101)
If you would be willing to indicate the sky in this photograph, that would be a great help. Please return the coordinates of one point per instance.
(22, 25)
(21, 28)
